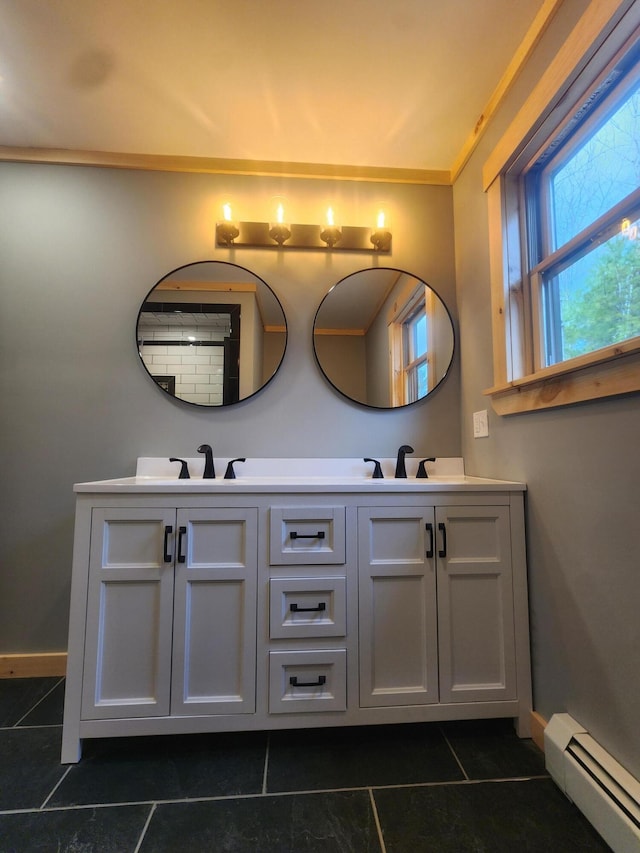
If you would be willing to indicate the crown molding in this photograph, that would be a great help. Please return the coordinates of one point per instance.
(221, 166)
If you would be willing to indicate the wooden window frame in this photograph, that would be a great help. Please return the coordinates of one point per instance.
(606, 30)
(418, 299)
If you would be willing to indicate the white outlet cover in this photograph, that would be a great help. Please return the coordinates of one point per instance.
(480, 424)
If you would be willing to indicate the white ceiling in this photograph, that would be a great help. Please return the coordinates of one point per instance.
(390, 83)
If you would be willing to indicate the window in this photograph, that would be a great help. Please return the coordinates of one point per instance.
(416, 366)
(564, 217)
(410, 334)
(583, 202)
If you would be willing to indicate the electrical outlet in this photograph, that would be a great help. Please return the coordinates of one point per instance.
(480, 424)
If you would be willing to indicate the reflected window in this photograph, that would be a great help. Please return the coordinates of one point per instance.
(416, 367)
(409, 337)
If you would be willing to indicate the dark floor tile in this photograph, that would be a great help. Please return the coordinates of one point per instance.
(337, 822)
(49, 711)
(108, 830)
(316, 759)
(29, 766)
(19, 695)
(120, 770)
(488, 817)
(491, 749)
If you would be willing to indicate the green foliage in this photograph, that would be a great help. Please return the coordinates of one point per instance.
(607, 309)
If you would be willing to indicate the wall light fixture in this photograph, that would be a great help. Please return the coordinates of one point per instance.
(381, 234)
(279, 230)
(331, 233)
(227, 230)
(280, 234)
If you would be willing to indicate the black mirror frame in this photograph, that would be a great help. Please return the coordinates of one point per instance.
(369, 405)
(163, 385)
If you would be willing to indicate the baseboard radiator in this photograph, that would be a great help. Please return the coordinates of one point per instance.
(600, 787)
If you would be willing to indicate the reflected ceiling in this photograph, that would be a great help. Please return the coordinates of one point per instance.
(367, 83)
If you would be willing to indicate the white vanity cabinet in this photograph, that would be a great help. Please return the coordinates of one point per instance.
(171, 612)
(436, 605)
(257, 604)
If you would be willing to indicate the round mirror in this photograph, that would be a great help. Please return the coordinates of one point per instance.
(211, 333)
(383, 338)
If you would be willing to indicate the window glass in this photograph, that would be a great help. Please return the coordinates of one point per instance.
(594, 301)
(416, 365)
(600, 171)
(417, 329)
(563, 186)
(585, 205)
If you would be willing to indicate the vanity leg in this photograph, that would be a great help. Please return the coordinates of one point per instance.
(71, 751)
(523, 723)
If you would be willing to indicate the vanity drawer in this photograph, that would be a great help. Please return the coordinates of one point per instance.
(307, 535)
(307, 607)
(307, 681)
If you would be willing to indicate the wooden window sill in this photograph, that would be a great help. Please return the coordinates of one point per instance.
(616, 370)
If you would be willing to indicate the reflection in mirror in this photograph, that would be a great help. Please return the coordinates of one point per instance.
(383, 338)
(211, 333)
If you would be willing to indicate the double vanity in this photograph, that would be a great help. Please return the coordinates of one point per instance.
(302, 593)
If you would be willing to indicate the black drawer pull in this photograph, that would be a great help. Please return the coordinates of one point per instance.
(168, 530)
(442, 528)
(429, 529)
(318, 535)
(295, 608)
(182, 531)
(293, 681)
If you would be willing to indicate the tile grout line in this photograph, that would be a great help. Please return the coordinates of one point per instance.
(266, 765)
(152, 811)
(376, 818)
(55, 788)
(453, 752)
(48, 693)
(257, 795)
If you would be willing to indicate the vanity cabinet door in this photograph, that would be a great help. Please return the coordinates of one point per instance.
(214, 646)
(475, 604)
(398, 611)
(129, 614)
(171, 613)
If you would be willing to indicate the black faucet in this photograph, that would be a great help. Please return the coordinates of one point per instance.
(209, 470)
(377, 470)
(422, 471)
(184, 468)
(230, 474)
(401, 471)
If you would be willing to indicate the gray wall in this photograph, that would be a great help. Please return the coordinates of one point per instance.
(80, 248)
(582, 467)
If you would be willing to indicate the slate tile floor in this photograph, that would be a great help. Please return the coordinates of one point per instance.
(430, 788)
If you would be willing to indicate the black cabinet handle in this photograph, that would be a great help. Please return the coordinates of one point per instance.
(295, 608)
(182, 531)
(429, 529)
(318, 535)
(168, 530)
(442, 528)
(293, 681)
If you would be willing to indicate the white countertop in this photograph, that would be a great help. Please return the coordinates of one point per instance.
(296, 475)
